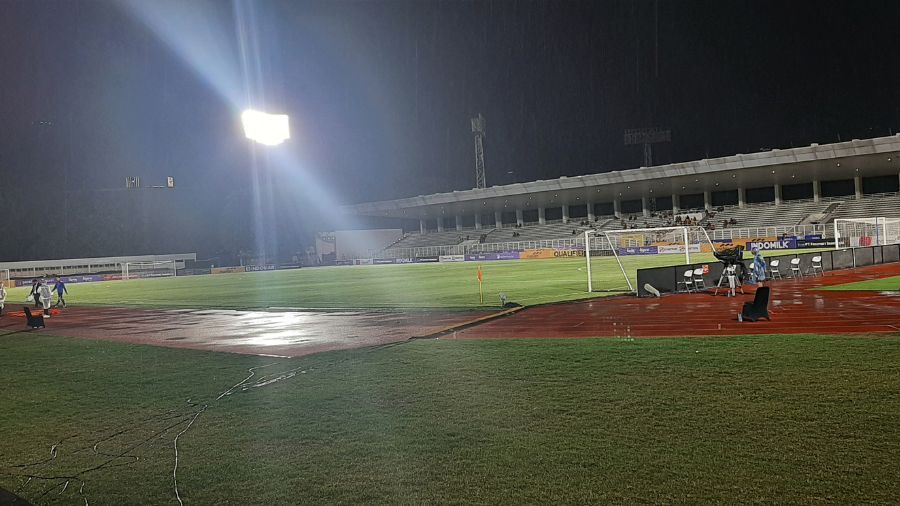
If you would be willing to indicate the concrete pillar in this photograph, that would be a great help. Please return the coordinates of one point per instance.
(817, 190)
(742, 197)
(707, 201)
(676, 203)
(645, 205)
(857, 184)
(498, 219)
(440, 224)
(777, 194)
(541, 213)
(590, 206)
(458, 222)
(565, 210)
(520, 219)
(617, 207)
(421, 226)
(477, 221)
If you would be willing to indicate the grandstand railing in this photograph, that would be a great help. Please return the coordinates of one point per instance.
(578, 242)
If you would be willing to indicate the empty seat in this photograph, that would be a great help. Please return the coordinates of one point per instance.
(816, 266)
(687, 280)
(795, 268)
(773, 269)
(699, 282)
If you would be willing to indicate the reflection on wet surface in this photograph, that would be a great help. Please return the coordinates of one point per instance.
(796, 307)
(280, 333)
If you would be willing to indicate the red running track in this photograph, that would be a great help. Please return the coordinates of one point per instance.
(795, 305)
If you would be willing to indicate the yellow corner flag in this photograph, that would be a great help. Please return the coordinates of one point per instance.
(480, 277)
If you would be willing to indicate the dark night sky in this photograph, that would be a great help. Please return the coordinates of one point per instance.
(380, 94)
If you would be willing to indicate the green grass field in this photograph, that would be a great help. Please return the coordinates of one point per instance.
(450, 285)
(763, 419)
(883, 284)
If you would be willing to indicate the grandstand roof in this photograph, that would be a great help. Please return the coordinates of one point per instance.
(842, 160)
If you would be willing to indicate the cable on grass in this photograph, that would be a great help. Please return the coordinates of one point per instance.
(175, 444)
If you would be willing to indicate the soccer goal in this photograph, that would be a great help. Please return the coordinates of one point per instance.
(160, 269)
(4, 278)
(614, 256)
(857, 232)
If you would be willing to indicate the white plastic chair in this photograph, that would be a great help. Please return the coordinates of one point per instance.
(795, 268)
(773, 269)
(817, 266)
(687, 280)
(699, 282)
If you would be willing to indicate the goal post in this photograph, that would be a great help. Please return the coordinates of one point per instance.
(5, 280)
(613, 256)
(860, 232)
(157, 269)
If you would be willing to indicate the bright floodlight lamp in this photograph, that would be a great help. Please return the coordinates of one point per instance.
(264, 128)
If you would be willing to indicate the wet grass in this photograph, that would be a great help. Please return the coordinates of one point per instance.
(448, 285)
(883, 284)
(764, 419)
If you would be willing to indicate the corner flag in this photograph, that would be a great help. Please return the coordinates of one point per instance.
(480, 277)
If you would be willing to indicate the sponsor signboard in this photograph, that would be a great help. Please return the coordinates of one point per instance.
(677, 248)
(259, 268)
(815, 243)
(502, 255)
(452, 258)
(428, 260)
(531, 254)
(382, 261)
(643, 250)
(227, 270)
(88, 278)
(363, 261)
(567, 253)
(776, 244)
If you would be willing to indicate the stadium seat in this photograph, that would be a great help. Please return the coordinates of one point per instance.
(816, 266)
(795, 268)
(773, 269)
(687, 280)
(759, 308)
(699, 282)
(33, 321)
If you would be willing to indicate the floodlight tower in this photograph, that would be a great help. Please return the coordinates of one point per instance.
(478, 130)
(647, 137)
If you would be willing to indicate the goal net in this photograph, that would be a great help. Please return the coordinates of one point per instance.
(860, 232)
(160, 269)
(613, 257)
(4, 278)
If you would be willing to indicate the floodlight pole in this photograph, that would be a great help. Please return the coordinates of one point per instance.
(478, 128)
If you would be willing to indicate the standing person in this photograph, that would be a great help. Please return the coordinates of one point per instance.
(759, 267)
(2, 297)
(45, 298)
(35, 292)
(61, 290)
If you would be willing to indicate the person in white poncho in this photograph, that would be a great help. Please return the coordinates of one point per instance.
(44, 292)
(2, 297)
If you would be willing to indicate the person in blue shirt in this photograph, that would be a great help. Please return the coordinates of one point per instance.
(61, 290)
(759, 267)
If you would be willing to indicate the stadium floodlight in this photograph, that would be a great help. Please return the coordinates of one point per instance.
(265, 128)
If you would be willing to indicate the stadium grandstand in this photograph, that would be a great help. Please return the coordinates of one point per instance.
(796, 191)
